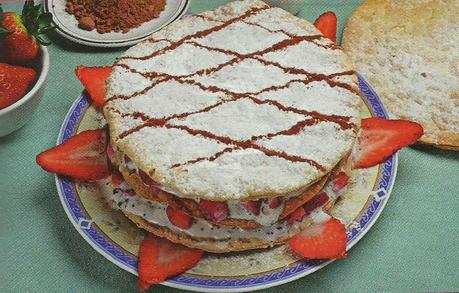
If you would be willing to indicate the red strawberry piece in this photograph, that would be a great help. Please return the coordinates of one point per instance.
(116, 179)
(143, 285)
(326, 24)
(15, 82)
(110, 152)
(93, 80)
(315, 202)
(275, 202)
(22, 33)
(160, 259)
(340, 181)
(147, 179)
(296, 216)
(179, 218)
(252, 206)
(129, 192)
(321, 241)
(380, 138)
(81, 157)
(215, 210)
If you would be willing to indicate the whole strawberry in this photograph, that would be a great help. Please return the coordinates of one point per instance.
(15, 82)
(21, 34)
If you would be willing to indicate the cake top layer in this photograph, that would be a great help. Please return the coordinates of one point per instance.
(245, 101)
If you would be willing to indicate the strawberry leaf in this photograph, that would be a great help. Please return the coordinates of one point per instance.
(45, 20)
(3, 31)
(27, 8)
(37, 21)
(44, 23)
(42, 41)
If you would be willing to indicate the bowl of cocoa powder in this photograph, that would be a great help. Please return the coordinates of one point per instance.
(113, 23)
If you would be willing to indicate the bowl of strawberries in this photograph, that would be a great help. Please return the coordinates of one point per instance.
(24, 64)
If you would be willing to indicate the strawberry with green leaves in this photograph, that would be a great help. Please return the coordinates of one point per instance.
(22, 34)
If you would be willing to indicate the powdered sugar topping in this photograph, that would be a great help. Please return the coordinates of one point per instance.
(229, 120)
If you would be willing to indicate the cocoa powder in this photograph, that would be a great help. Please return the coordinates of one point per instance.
(114, 15)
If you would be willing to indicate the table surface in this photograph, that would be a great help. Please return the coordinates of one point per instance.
(412, 247)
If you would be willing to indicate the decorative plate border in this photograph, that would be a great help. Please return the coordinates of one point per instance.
(112, 252)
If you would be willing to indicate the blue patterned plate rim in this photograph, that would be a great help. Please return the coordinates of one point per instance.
(112, 252)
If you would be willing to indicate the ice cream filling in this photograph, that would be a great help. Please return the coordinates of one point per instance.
(123, 198)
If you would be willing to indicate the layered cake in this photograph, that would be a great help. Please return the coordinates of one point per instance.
(232, 129)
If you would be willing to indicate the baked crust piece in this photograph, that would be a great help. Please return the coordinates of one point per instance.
(409, 52)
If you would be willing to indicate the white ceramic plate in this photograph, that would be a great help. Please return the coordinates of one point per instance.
(67, 25)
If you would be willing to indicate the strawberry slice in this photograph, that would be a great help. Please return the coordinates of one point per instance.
(326, 24)
(82, 156)
(179, 218)
(380, 138)
(296, 216)
(315, 202)
(129, 192)
(160, 258)
(321, 241)
(252, 206)
(147, 179)
(93, 80)
(216, 210)
(340, 181)
(143, 285)
(116, 178)
(275, 202)
(110, 152)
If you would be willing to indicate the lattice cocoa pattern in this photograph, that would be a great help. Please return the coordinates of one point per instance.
(313, 117)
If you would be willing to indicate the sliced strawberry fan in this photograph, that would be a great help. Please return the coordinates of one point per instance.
(179, 218)
(160, 259)
(321, 241)
(93, 80)
(216, 211)
(253, 206)
(296, 216)
(380, 138)
(82, 156)
(327, 25)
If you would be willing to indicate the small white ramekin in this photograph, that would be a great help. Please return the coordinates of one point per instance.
(17, 114)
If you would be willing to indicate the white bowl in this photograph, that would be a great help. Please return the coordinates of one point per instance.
(17, 114)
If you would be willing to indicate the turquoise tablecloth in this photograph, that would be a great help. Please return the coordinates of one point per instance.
(412, 247)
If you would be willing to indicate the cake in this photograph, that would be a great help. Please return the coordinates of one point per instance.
(233, 118)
